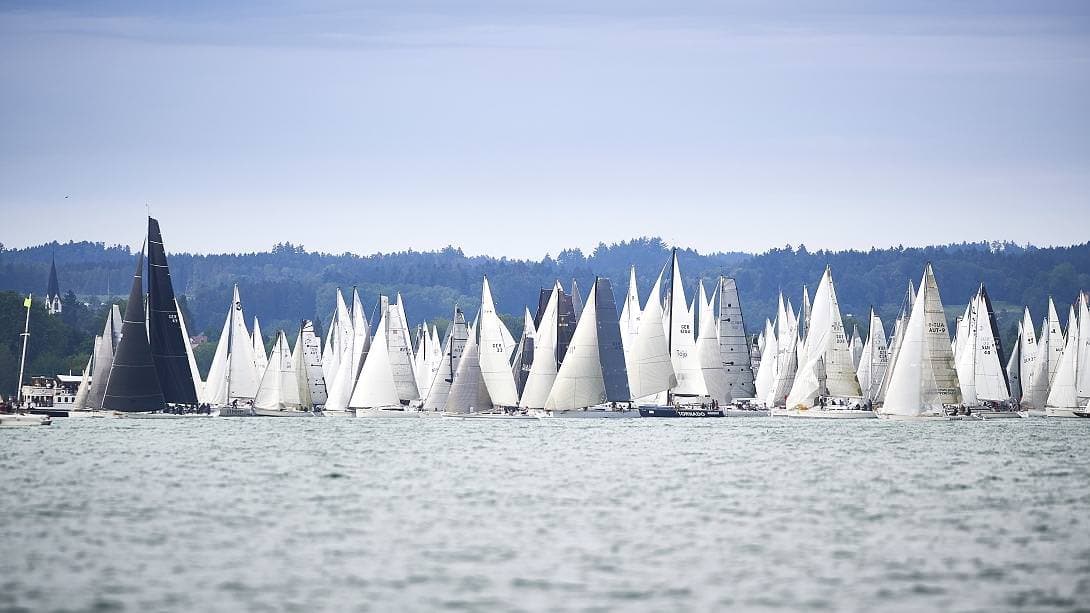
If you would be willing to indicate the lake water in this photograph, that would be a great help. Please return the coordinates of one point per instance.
(656, 515)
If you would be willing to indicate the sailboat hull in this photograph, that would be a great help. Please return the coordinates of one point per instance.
(1065, 412)
(282, 413)
(593, 413)
(824, 413)
(680, 412)
(388, 413)
(492, 416)
(890, 417)
(18, 420)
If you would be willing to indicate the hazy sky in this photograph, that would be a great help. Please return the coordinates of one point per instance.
(518, 128)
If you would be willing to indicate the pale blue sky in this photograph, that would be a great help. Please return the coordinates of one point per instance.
(519, 128)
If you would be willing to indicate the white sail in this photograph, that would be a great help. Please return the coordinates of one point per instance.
(1070, 388)
(855, 346)
(331, 348)
(1023, 358)
(420, 356)
(829, 369)
(375, 387)
(766, 371)
(307, 360)
(261, 357)
(233, 374)
(980, 371)
(360, 334)
(873, 360)
(544, 368)
(279, 389)
(630, 315)
(804, 317)
(787, 352)
(401, 352)
(198, 385)
(733, 343)
(707, 347)
(650, 370)
(104, 357)
(439, 390)
(682, 340)
(1046, 360)
(469, 393)
(355, 341)
(898, 333)
(923, 377)
(579, 382)
(84, 388)
(494, 353)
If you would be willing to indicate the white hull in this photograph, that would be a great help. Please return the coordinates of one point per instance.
(80, 414)
(165, 415)
(282, 413)
(332, 413)
(919, 417)
(390, 413)
(18, 420)
(591, 413)
(492, 416)
(1036, 413)
(823, 413)
(998, 414)
(1068, 412)
(728, 412)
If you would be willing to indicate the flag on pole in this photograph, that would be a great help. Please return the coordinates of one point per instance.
(26, 303)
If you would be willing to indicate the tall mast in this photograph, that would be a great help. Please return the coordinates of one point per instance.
(230, 354)
(22, 360)
(670, 337)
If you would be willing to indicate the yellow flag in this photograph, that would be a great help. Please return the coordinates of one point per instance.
(26, 303)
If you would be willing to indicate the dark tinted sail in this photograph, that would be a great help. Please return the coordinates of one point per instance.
(733, 344)
(164, 329)
(565, 324)
(521, 363)
(610, 350)
(133, 384)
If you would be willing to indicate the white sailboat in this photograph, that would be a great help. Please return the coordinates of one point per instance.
(766, 372)
(401, 352)
(198, 384)
(1050, 346)
(306, 358)
(734, 353)
(232, 378)
(898, 332)
(356, 344)
(592, 381)
(544, 368)
(494, 352)
(1070, 389)
(19, 418)
(873, 360)
(1023, 354)
(787, 353)
(375, 393)
(650, 370)
(681, 339)
(923, 382)
(439, 390)
(278, 392)
(825, 385)
(707, 347)
(984, 387)
(630, 315)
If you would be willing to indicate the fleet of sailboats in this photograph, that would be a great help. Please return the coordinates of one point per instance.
(668, 356)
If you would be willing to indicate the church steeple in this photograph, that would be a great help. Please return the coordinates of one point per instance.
(53, 293)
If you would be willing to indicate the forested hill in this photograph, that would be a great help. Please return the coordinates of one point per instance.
(289, 282)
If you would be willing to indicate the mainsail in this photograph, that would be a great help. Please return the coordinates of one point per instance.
(375, 386)
(766, 372)
(1070, 387)
(279, 387)
(469, 392)
(307, 360)
(829, 369)
(1049, 349)
(261, 357)
(545, 364)
(104, 357)
(233, 375)
(978, 364)
(681, 339)
(733, 344)
(133, 384)
(650, 370)
(439, 390)
(166, 335)
(401, 352)
(494, 352)
(873, 360)
(923, 377)
(707, 346)
(523, 359)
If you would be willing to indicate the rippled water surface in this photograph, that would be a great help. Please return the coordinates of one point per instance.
(343, 514)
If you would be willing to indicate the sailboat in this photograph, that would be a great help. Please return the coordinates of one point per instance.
(895, 341)
(787, 354)
(734, 354)
(439, 389)
(17, 418)
(376, 393)
(352, 334)
(873, 360)
(984, 388)
(543, 370)
(1050, 345)
(1070, 390)
(102, 357)
(923, 382)
(261, 357)
(307, 361)
(232, 377)
(766, 370)
(592, 381)
(523, 358)
(650, 371)
(278, 392)
(825, 385)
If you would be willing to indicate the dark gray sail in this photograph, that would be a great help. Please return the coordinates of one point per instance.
(522, 361)
(733, 343)
(610, 349)
(133, 384)
(164, 326)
